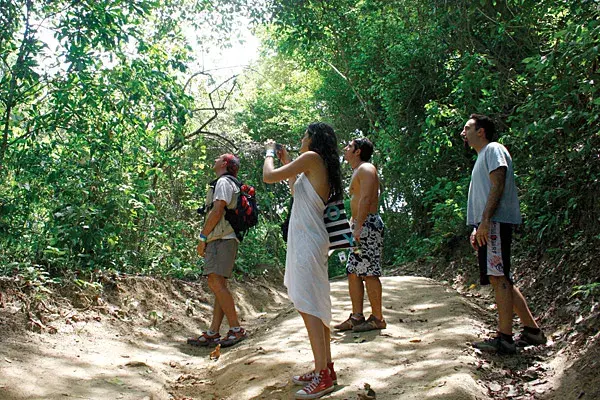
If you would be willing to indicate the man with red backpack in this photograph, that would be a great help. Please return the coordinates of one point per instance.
(218, 245)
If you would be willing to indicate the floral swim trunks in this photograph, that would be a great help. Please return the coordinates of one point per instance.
(365, 259)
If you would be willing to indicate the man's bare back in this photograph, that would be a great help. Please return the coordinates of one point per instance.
(364, 261)
(364, 192)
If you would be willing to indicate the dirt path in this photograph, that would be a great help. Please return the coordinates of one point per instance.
(422, 354)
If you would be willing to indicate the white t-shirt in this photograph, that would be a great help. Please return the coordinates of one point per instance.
(224, 190)
(491, 157)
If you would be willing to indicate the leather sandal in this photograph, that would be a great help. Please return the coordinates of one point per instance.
(350, 323)
(205, 340)
(371, 324)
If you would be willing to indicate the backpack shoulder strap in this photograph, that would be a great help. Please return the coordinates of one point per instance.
(213, 183)
(232, 179)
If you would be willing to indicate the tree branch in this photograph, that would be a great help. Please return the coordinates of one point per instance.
(10, 102)
(193, 76)
(180, 142)
(363, 103)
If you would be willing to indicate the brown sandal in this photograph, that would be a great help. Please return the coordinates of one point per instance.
(371, 324)
(350, 323)
(233, 337)
(205, 340)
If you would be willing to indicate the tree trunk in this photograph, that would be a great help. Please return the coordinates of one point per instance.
(17, 67)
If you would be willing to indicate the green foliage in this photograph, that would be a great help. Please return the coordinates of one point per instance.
(585, 291)
(279, 102)
(410, 73)
(105, 150)
(102, 153)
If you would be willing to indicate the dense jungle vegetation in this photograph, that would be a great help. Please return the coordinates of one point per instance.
(109, 125)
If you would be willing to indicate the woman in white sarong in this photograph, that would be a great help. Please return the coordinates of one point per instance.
(314, 177)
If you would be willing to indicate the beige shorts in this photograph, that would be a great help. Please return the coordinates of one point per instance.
(219, 257)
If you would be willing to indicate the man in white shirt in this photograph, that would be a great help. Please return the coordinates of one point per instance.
(493, 210)
(218, 245)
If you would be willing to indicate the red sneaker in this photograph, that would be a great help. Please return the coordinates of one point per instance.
(303, 379)
(318, 387)
(309, 376)
(332, 373)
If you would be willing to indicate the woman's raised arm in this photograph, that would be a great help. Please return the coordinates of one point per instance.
(304, 163)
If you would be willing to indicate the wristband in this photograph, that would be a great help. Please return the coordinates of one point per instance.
(202, 238)
(270, 153)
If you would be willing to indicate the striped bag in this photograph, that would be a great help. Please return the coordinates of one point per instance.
(338, 227)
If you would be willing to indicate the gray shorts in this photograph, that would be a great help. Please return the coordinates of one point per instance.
(219, 257)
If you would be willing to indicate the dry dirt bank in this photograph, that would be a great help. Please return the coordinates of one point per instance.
(129, 343)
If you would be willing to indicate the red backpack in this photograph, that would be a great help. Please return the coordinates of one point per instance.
(245, 214)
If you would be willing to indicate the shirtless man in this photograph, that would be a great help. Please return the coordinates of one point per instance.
(364, 263)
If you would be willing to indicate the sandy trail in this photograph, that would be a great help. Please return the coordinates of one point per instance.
(421, 355)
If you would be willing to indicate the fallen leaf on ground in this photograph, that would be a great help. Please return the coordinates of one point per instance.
(7, 360)
(136, 364)
(540, 382)
(216, 353)
(360, 340)
(495, 387)
(185, 377)
(415, 341)
(512, 392)
(115, 381)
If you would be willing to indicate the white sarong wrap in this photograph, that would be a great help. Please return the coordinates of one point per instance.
(306, 261)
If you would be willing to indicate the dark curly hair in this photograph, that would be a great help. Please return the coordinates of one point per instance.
(323, 141)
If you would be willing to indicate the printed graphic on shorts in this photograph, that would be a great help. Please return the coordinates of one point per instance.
(495, 265)
(365, 260)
